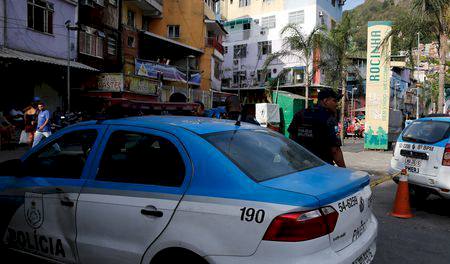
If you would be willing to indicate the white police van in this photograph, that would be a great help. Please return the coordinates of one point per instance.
(423, 149)
(183, 189)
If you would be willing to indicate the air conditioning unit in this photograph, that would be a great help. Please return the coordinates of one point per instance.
(320, 13)
(256, 21)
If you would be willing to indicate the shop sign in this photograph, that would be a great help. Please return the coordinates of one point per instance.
(110, 82)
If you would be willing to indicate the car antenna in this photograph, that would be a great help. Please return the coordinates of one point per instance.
(238, 121)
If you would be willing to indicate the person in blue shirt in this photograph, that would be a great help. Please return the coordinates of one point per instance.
(43, 124)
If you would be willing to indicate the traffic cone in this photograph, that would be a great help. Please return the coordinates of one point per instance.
(402, 209)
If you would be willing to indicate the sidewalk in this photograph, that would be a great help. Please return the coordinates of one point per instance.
(374, 162)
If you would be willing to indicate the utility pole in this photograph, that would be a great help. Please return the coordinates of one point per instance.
(187, 75)
(69, 28)
(418, 62)
(353, 104)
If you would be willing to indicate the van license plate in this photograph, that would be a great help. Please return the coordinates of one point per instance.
(413, 165)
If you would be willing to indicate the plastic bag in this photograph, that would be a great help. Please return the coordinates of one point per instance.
(24, 138)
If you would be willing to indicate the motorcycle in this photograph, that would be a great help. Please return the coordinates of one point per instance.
(66, 120)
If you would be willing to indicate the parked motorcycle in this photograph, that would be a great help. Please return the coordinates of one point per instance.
(65, 120)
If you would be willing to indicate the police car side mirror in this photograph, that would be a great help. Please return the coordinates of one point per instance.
(12, 167)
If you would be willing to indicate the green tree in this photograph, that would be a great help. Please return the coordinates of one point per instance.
(336, 49)
(438, 11)
(299, 47)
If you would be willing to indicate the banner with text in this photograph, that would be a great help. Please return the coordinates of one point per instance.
(169, 73)
(377, 85)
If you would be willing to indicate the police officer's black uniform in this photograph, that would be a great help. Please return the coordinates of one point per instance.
(316, 130)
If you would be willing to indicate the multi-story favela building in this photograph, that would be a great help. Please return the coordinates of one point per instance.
(254, 32)
(34, 49)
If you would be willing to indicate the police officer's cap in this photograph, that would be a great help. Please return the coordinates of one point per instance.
(328, 93)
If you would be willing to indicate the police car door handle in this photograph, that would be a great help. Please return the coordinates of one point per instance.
(151, 211)
(67, 202)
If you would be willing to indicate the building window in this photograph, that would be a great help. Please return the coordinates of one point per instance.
(91, 44)
(130, 19)
(243, 3)
(112, 46)
(131, 42)
(240, 51)
(264, 47)
(173, 31)
(297, 17)
(247, 26)
(40, 15)
(268, 22)
(333, 2)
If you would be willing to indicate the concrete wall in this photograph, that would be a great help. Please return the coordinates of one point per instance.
(2, 8)
(21, 37)
(257, 7)
(189, 14)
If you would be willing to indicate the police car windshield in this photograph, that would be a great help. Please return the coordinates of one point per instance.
(263, 154)
(427, 132)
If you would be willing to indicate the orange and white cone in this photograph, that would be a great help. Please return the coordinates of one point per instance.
(402, 209)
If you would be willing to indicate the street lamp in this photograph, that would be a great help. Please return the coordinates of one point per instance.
(69, 28)
(242, 75)
(187, 75)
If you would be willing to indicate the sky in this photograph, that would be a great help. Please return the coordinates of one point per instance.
(350, 4)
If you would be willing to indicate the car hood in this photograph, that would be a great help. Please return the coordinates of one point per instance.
(327, 183)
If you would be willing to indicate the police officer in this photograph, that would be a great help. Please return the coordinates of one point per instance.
(316, 128)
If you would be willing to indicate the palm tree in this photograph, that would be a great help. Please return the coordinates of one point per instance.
(439, 12)
(337, 47)
(299, 47)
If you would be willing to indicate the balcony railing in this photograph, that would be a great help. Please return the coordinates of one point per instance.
(212, 42)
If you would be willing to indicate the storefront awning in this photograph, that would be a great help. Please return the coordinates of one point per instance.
(30, 57)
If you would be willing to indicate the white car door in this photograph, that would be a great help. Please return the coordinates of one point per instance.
(137, 181)
(49, 185)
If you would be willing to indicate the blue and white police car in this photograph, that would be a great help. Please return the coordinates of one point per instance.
(164, 189)
(423, 149)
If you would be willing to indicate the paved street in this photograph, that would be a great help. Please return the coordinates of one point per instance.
(422, 239)
(374, 162)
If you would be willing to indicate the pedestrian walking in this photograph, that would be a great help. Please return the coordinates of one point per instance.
(316, 128)
(43, 124)
(30, 116)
